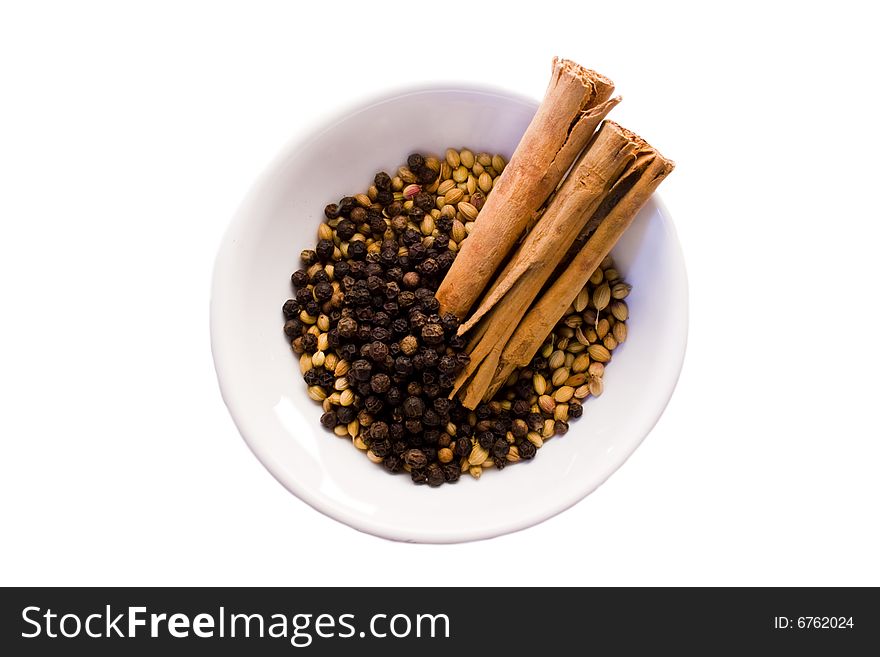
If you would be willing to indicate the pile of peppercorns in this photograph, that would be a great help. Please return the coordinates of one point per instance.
(373, 348)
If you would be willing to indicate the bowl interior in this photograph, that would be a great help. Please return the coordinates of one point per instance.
(259, 376)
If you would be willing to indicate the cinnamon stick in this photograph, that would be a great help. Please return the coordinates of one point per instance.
(611, 152)
(623, 203)
(576, 101)
(578, 198)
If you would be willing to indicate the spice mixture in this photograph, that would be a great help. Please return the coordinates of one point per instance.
(382, 360)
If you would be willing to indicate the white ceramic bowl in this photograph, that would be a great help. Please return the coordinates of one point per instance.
(259, 375)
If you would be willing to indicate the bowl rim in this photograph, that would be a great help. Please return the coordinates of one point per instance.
(300, 139)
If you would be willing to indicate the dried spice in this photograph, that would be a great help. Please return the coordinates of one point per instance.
(379, 356)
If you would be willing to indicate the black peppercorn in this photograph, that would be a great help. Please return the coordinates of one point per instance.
(346, 230)
(429, 359)
(378, 225)
(431, 418)
(523, 389)
(500, 448)
(448, 364)
(432, 333)
(415, 458)
(417, 252)
(393, 463)
(382, 181)
(328, 420)
(375, 283)
(535, 421)
(347, 204)
(457, 342)
(426, 176)
(396, 414)
(521, 407)
(431, 437)
(373, 404)
(324, 249)
(424, 201)
(462, 447)
(451, 472)
(378, 431)
(361, 370)
(357, 249)
(394, 396)
(526, 450)
(396, 430)
(384, 196)
(410, 237)
(310, 342)
(413, 407)
(378, 352)
(292, 328)
(435, 475)
(380, 383)
(299, 278)
(418, 476)
(414, 161)
(308, 257)
(411, 280)
(290, 309)
(413, 426)
(347, 327)
(431, 390)
(358, 215)
(398, 221)
(561, 426)
(575, 408)
(444, 260)
(486, 439)
(346, 414)
(323, 291)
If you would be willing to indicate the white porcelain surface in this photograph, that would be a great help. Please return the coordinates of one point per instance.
(259, 376)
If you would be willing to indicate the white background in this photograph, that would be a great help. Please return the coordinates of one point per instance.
(129, 132)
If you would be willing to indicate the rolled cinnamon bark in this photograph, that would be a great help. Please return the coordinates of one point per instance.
(621, 206)
(605, 190)
(576, 101)
(578, 198)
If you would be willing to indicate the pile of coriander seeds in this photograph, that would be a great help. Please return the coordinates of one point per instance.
(374, 351)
